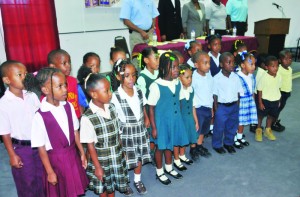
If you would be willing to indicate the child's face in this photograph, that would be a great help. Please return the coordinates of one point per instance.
(286, 61)
(152, 61)
(272, 68)
(116, 56)
(93, 63)
(129, 77)
(248, 66)
(186, 78)
(215, 46)
(195, 48)
(203, 64)
(101, 94)
(58, 92)
(63, 63)
(15, 77)
(180, 59)
(227, 64)
(174, 70)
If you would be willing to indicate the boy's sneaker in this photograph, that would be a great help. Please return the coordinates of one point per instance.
(269, 134)
(258, 135)
(277, 126)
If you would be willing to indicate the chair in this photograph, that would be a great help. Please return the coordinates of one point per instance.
(120, 41)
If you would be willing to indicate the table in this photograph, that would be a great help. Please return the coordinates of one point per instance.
(227, 42)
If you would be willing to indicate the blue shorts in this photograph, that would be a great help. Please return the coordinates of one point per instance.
(204, 117)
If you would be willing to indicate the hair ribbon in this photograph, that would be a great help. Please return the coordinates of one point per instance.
(86, 79)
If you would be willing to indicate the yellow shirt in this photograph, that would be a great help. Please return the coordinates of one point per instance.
(286, 77)
(270, 87)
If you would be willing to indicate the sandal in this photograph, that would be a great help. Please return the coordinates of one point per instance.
(140, 187)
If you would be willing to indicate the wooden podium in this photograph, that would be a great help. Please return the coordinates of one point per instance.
(270, 34)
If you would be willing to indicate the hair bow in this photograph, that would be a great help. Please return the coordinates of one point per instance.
(242, 54)
(139, 58)
(187, 44)
(182, 72)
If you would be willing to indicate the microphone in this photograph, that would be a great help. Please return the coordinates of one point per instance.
(278, 6)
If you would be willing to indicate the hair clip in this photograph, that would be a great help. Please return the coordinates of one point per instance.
(121, 73)
(86, 79)
(235, 43)
(167, 55)
(139, 58)
(172, 58)
(187, 44)
(35, 73)
(182, 72)
(242, 54)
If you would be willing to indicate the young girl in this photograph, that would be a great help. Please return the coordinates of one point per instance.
(247, 111)
(55, 133)
(192, 47)
(116, 54)
(166, 120)
(237, 47)
(83, 97)
(99, 128)
(188, 112)
(149, 61)
(129, 102)
(214, 46)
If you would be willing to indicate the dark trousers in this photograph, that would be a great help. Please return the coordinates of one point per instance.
(240, 26)
(283, 99)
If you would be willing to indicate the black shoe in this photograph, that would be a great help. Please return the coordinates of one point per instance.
(277, 126)
(177, 176)
(180, 168)
(187, 161)
(243, 142)
(201, 150)
(166, 182)
(221, 150)
(210, 133)
(230, 149)
(140, 187)
(193, 153)
(238, 144)
(252, 128)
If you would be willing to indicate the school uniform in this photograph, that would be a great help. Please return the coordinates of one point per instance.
(214, 64)
(164, 95)
(101, 127)
(53, 127)
(16, 115)
(286, 85)
(73, 94)
(227, 114)
(133, 133)
(247, 112)
(186, 103)
(203, 100)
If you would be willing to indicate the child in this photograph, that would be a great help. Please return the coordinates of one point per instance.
(165, 117)
(83, 97)
(55, 134)
(214, 46)
(226, 89)
(192, 47)
(268, 90)
(187, 110)
(100, 129)
(92, 61)
(61, 59)
(17, 108)
(203, 100)
(247, 112)
(129, 102)
(179, 56)
(116, 54)
(286, 72)
(149, 59)
(238, 47)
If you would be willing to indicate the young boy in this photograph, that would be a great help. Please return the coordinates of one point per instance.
(268, 90)
(203, 100)
(17, 108)
(286, 72)
(226, 89)
(61, 59)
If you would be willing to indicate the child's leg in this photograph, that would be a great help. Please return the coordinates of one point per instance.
(176, 152)
(219, 127)
(269, 121)
(177, 162)
(182, 150)
(268, 133)
(168, 160)
(239, 137)
(139, 185)
(159, 169)
(258, 131)
(158, 158)
(231, 124)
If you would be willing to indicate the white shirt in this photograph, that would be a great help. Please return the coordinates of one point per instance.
(133, 103)
(216, 60)
(16, 114)
(216, 14)
(185, 92)
(173, 2)
(248, 79)
(203, 87)
(141, 80)
(39, 132)
(87, 130)
(154, 94)
(191, 63)
(226, 88)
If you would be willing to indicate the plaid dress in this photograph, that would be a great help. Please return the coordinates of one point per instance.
(247, 112)
(134, 135)
(110, 154)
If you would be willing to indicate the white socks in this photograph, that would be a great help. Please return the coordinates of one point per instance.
(137, 177)
(170, 169)
(160, 172)
(177, 162)
(211, 128)
(239, 136)
(182, 157)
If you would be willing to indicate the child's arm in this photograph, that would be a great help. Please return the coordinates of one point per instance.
(215, 103)
(195, 119)
(152, 121)
(52, 178)
(260, 103)
(81, 150)
(146, 118)
(98, 169)
(14, 160)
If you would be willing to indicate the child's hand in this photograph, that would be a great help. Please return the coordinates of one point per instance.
(83, 161)
(15, 161)
(52, 178)
(154, 133)
(197, 126)
(99, 173)
(147, 122)
(261, 106)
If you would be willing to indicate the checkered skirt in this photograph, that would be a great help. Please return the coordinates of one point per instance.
(247, 112)
(135, 139)
(110, 155)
